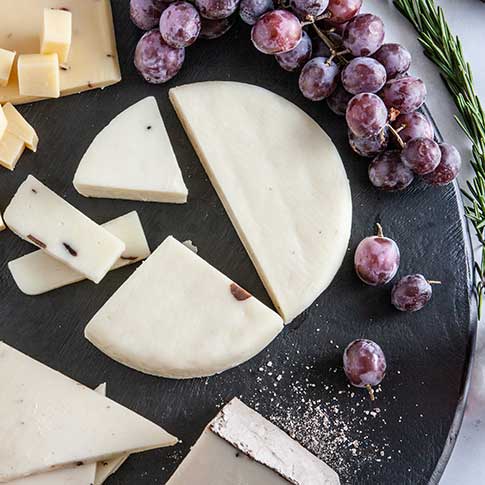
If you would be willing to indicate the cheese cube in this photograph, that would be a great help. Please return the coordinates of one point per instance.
(39, 75)
(2, 224)
(6, 64)
(11, 149)
(18, 126)
(57, 33)
(3, 123)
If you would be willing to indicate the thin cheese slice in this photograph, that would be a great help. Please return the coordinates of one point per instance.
(18, 126)
(37, 272)
(3, 123)
(132, 158)
(52, 421)
(93, 60)
(281, 181)
(179, 317)
(11, 149)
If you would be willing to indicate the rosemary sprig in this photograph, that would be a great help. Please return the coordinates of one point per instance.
(445, 50)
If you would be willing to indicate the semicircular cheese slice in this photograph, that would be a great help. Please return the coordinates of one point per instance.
(281, 181)
(179, 317)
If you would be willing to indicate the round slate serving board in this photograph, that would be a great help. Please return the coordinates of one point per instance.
(405, 436)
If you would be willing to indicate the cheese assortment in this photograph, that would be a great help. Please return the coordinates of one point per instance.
(240, 446)
(132, 158)
(41, 217)
(179, 317)
(37, 272)
(56, 35)
(7, 59)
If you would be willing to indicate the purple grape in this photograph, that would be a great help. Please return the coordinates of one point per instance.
(405, 95)
(251, 10)
(216, 9)
(276, 32)
(180, 24)
(318, 78)
(448, 168)
(376, 260)
(339, 100)
(364, 364)
(369, 147)
(411, 293)
(421, 155)
(145, 14)
(387, 172)
(295, 59)
(156, 61)
(413, 125)
(395, 58)
(213, 29)
(363, 75)
(366, 115)
(364, 35)
(306, 9)
(341, 11)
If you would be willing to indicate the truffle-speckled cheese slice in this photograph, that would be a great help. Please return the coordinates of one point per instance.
(241, 447)
(281, 181)
(93, 60)
(37, 272)
(41, 217)
(132, 158)
(18, 126)
(54, 422)
(179, 317)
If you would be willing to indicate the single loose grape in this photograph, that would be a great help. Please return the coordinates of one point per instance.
(308, 8)
(339, 100)
(180, 24)
(406, 94)
(157, 61)
(276, 32)
(413, 125)
(364, 35)
(421, 155)
(411, 293)
(363, 75)
(369, 147)
(216, 9)
(251, 10)
(341, 11)
(318, 78)
(145, 14)
(448, 168)
(395, 58)
(366, 115)
(387, 172)
(213, 29)
(295, 59)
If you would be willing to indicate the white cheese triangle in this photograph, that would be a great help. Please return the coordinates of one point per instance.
(132, 158)
(54, 422)
(281, 181)
(179, 317)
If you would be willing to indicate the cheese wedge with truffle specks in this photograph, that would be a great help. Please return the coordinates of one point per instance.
(18, 126)
(54, 422)
(179, 317)
(41, 217)
(132, 158)
(281, 181)
(241, 447)
(37, 272)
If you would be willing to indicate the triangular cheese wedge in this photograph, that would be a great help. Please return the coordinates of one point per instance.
(179, 317)
(132, 158)
(53, 421)
(18, 126)
(281, 181)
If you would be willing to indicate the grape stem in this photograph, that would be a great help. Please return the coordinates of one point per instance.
(396, 135)
(434, 282)
(380, 232)
(326, 40)
(371, 392)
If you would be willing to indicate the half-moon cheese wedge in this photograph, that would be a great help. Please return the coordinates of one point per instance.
(281, 181)
(132, 158)
(179, 317)
(54, 422)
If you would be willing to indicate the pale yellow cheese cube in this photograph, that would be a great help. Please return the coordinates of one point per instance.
(18, 126)
(6, 63)
(2, 224)
(39, 75)
(11, 149)
(3, 123)
(56, 34)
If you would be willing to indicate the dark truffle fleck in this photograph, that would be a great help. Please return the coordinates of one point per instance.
(70, 249)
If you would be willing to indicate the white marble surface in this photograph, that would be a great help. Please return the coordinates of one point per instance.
(467, 19)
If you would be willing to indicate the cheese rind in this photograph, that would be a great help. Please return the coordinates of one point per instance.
(41, 217)
(38, 75)
(179, 317)
(56, 35)
(7, 59)
(11, 149)
(18, 126)
(37, 272)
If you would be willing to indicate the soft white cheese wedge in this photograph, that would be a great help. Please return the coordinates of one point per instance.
(37, 272)
(132, 158)
(41, 217)
(52, 421)
(2, 224)
(179, 317)
(240, 446)
(281, 181)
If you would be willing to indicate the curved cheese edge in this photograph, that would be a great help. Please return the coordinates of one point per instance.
(281, 181)
(178, 317)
